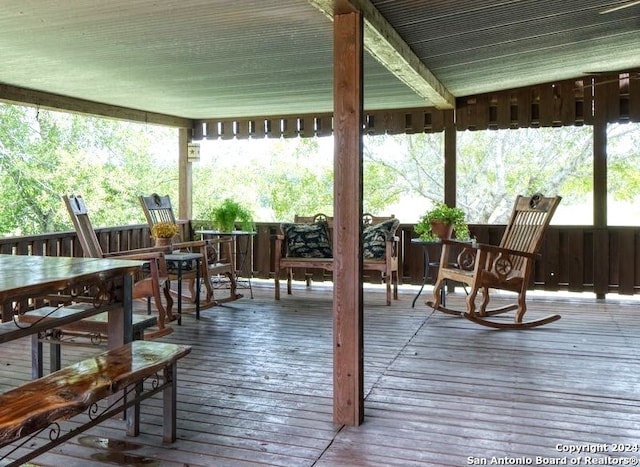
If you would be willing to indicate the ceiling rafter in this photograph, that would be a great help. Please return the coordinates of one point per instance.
(388, 48)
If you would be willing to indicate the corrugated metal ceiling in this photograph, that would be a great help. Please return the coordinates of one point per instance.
(220, 58)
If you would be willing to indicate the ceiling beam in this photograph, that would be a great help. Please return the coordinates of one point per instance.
(24, 96)
(386, 46)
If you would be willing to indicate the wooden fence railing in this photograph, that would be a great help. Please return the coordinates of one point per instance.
(573, 258)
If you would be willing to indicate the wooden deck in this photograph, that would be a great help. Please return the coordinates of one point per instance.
(257, 387)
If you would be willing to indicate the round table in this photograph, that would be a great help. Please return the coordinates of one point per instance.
(428, 264)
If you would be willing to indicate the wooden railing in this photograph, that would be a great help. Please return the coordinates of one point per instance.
(573, 258)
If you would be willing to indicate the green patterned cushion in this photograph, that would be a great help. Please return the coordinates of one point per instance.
(375, 236)
(307, 240)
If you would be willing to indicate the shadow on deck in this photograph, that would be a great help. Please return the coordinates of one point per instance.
(257, 387)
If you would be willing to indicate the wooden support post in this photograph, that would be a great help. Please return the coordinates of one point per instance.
(601, 279)
(185, 177)
(450, 159)
(348, 364)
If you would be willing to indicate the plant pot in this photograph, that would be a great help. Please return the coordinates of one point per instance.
(163, 242)
(442, 230)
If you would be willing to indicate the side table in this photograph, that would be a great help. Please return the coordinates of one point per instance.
(428, 264)
(179, 260)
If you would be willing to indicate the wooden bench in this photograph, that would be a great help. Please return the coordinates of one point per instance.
(42, 404)
(387, 264)
(90, 331)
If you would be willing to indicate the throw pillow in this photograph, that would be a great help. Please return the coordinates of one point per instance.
(307, 240)
(374, 238)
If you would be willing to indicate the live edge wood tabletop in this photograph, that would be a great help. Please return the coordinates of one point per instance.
(118, 374)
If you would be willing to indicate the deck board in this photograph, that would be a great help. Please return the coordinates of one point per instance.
(257, 386)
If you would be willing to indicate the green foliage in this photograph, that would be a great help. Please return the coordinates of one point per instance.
(492, 167)
(225, 216)
(44, 155)
(445, 214)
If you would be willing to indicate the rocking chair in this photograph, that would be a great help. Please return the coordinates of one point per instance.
(158, 209)
(146, 286)
(506, 267)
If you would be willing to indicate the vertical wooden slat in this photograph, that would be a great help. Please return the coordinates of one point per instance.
(601, 278)
(567, 102)
(503, 110)
(462, 114)
(634, 97)
(588, 99)
(258, 128)
(290, 129)
(414, 122)
(608, 92)
(546, 105)
(324, 126)
(482, 112)
(550, 259)
(307, 129)
(243, 129)
(225, 129)
(375, 123)
(198, 130)
(272, 127)
(579, 92)
(393, 122)
(439, 119)
(524, 107)
(627, 267)
(575, 254)
(348, 367)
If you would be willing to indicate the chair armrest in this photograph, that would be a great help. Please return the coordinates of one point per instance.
(499, 250)
(190, 244)
(494, 249)
(141, 254)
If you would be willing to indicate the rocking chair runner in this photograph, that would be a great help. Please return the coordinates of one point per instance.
(146, 286)
(505, 267)
(158, 209)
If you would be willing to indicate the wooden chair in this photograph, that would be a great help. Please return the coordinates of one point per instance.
(386, 265)
(217, 253)
(506, 267)
(148, 285)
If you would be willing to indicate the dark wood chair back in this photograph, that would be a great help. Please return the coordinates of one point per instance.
(86, 235)
(157, 209)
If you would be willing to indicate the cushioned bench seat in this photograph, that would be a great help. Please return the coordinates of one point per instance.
(306, 244)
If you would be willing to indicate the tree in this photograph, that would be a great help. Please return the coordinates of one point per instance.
(496, 165)
(281, 178)
(45, 154)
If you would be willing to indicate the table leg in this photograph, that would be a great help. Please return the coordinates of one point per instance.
(198, 265)
(427, 273)
(120, 329)
(179, 293)
(425, 250)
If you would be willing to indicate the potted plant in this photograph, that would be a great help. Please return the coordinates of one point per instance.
(163, 233)
(225, 216)
(441, 222)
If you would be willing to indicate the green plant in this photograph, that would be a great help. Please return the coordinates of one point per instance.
(225, 216)
(443, 213)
